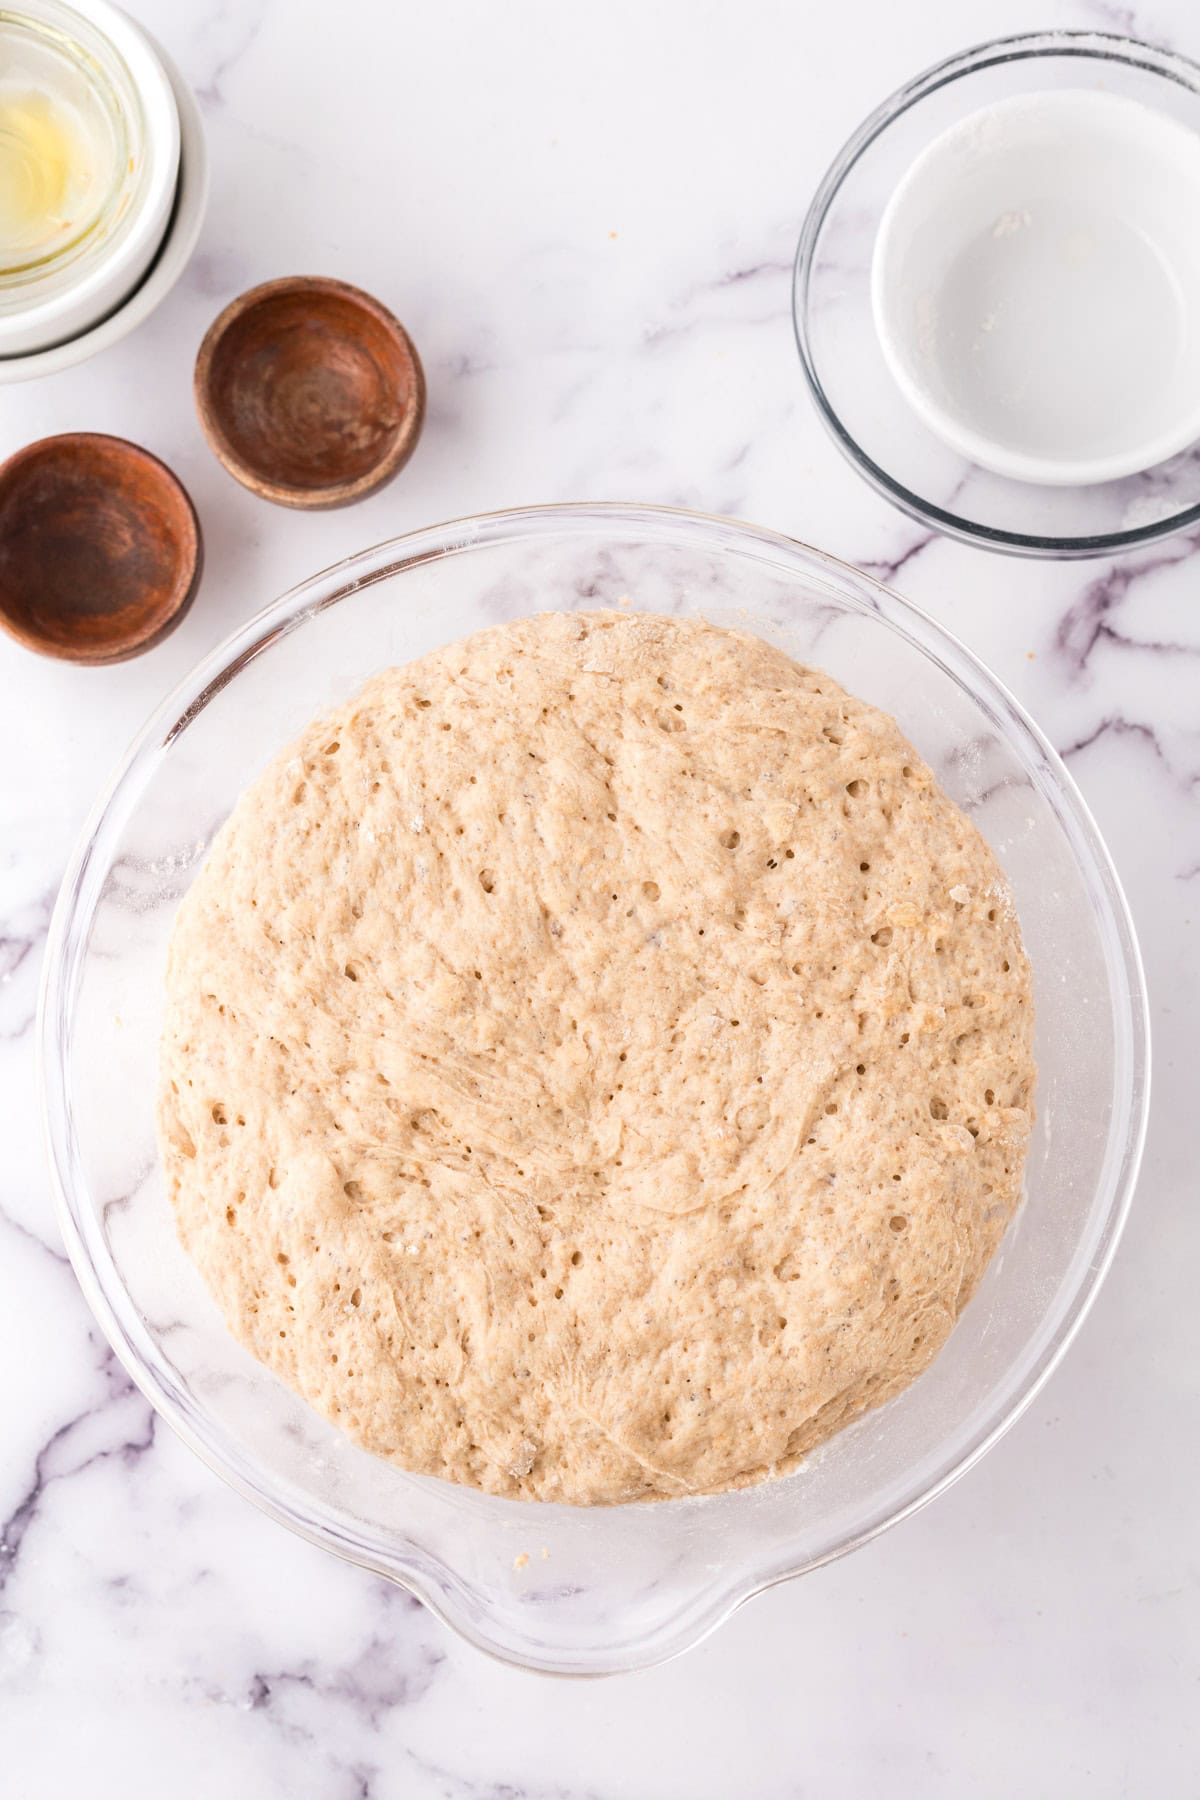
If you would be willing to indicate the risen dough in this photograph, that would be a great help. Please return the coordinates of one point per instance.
(597, 1061)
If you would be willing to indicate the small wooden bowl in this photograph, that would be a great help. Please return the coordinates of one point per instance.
(310, 392)
(100, 548)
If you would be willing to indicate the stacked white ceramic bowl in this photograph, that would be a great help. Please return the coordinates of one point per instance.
(146, 193)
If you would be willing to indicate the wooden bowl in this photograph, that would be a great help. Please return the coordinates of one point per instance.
(100, 548)
(310, 392)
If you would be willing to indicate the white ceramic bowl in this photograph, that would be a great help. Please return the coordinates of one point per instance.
(62, 304)
(576, 1589)
(174, 253)
(1036, 286)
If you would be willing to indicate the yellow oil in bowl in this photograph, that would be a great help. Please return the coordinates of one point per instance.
(44, 173)
(60, 145)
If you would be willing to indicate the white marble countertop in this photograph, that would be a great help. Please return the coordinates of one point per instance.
(586, 218)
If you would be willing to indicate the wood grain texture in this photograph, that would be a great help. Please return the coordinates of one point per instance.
(310, 392)
(100, 548)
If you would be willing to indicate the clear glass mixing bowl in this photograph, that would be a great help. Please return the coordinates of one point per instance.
(603, 1588)
(851, 385)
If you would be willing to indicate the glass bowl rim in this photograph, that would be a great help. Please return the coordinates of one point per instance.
(1101, 46)
(425, 1574)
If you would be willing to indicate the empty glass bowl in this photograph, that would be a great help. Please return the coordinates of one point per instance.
(581, 1591)
(869, 417)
